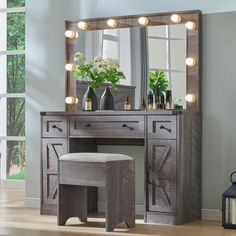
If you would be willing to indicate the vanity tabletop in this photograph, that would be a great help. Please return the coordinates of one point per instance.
(102, 112)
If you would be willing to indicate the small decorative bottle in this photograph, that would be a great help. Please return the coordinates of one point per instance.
(88, 104)
(150, 101)
(127, 105)
(143, 105)
(168, 99)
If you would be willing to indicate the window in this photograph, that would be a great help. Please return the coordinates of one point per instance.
(12, 89)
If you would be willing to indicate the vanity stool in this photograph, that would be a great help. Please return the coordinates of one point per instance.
(76, 171)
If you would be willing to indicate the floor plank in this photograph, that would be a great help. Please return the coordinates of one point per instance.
(17, 220)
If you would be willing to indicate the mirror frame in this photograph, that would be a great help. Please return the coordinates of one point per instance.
(193, 41)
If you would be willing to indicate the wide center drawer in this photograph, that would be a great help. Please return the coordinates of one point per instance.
(107, 126)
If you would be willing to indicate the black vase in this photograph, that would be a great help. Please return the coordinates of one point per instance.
(92, 95)
(107, 100)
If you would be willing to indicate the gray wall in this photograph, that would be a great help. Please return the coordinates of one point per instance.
(45, 77)
(219, 97)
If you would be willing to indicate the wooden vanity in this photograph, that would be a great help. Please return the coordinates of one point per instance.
(172, 162)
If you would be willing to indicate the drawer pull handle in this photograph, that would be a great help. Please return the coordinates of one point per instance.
(126, 126)
(88, 125)
(163, 127)
(56, 127)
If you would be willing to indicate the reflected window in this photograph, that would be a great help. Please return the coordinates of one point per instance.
(167, 52)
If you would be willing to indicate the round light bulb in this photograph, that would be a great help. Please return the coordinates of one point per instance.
(190, 98)
(71, 100)
(175, 18)
(190, 25)
(82, 25)
(112, 23)
(143, 20)
(70, 67)
(71, 34)
(190, 61)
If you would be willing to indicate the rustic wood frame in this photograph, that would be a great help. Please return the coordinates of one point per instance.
(193, 74)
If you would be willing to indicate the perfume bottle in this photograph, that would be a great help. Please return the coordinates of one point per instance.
(143, 105)
(159, 99)
(168, 99)
(127, 104)
(88, 104)
(150, 101)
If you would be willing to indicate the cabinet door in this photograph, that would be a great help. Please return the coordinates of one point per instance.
(161, 176)
(52, 149)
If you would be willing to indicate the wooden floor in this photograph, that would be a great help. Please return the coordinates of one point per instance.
(16, 220)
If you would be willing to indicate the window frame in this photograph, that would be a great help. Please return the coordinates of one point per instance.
(4, 95)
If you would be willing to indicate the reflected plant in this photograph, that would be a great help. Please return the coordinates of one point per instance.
(157, 80)
(99, 71)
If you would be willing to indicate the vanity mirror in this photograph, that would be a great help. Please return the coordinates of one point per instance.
(158, 42)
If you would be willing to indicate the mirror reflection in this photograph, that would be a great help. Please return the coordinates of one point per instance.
(139, 51)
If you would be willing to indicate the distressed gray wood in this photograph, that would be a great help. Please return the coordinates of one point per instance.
(54, 126)
(189, 167)
(182, 170)
(117, 176)
(162, 175)
(67, 206)
(162, 127)
(120, 194)
(107, 126)
(52, 149)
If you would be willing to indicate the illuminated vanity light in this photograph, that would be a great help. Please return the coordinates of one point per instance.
(143, 20)
(112, 23)
(190, 98)
(175, 18)
(82, 25)
(70, 67)
(190, 61)
(71, 100)
(190, 25)
(71, 34)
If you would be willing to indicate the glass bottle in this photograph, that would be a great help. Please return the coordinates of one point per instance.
(127, 104)
(150, 101)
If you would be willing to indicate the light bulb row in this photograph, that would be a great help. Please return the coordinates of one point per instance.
(190, 25)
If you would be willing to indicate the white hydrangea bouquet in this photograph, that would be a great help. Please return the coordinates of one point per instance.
(99, 71)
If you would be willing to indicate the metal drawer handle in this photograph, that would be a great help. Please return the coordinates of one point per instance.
(88, 125)
(126, 126)
(56, 127)
(163, 127)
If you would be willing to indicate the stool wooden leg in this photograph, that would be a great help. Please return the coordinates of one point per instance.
(72, 202)
(120, 188)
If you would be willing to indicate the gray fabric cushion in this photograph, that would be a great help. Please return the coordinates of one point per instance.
(94, 157)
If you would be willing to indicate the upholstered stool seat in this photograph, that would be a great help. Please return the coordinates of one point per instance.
(77, 171)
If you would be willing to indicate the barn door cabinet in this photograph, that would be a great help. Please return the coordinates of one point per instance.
(173, 176)
(54, 144)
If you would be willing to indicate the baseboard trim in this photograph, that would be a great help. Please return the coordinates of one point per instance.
(12, 184)
(211, 214)
(32, 202)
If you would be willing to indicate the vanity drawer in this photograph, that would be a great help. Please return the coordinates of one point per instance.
(163, 127)
(107, 126)
(54, 126)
